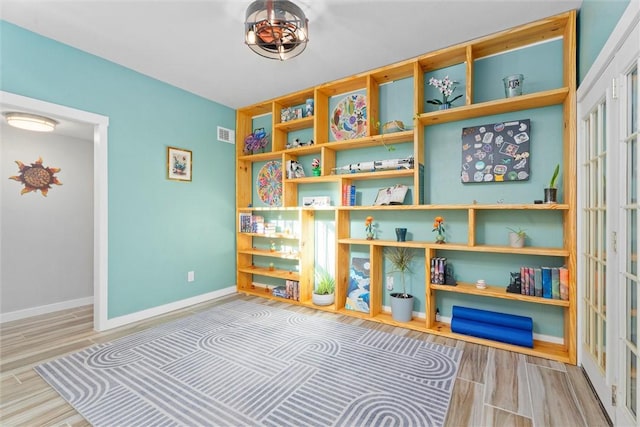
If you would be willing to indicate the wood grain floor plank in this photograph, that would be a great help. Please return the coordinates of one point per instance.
(474, 363)
(506, 382)
(465, 408)
(553, 399)
(27, 400)
(590, 405)
(496, 417)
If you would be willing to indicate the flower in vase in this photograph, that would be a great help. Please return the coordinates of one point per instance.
(438, 226)
(368, 227)
(446, 88)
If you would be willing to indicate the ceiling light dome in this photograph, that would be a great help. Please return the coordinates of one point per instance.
(30, 121)
(276, 29)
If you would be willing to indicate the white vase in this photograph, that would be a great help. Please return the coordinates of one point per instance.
(516, 240)
(325, 299)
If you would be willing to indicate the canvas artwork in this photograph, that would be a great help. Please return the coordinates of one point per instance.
(497, 152)
(359, 279)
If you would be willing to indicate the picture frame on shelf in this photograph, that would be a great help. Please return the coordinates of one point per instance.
(179, 164)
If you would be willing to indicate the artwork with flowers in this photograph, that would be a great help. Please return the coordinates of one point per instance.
(349, 118)
(269, 183)
(496, 152)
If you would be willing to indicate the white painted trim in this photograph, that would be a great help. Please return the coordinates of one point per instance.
(618, 36)
(100, 190)
(44, 309)
(163, 309)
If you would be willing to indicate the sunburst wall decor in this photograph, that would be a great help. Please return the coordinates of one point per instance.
(36, 177)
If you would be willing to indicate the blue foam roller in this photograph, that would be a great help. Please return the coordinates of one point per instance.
(493, 318)
(492, 332)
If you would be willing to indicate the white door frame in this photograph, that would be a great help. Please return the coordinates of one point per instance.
(628, 22)
(100, 190)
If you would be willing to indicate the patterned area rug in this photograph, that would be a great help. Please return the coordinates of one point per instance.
(246, 364)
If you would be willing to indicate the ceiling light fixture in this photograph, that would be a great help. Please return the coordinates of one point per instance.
(30, 122)
(276, 29)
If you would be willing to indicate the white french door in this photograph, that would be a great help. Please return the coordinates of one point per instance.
(629, 279)
(596, 152)
(608, 276)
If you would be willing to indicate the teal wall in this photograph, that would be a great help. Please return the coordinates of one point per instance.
(596, 21)
(158, 229)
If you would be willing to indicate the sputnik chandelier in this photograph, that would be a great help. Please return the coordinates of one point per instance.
(276, 29)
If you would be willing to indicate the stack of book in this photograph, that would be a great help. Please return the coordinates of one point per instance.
(251, 223)
(545, 282)
(348, 195)
(293, 289)
(438, 269)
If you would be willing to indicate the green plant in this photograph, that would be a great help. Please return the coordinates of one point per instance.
(520, 232)
(446, 87)
(552, 183)
(388, 147)
(325, 283)
(400, 258)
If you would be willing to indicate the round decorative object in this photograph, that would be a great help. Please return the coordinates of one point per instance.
(349, 118)
(269, 183)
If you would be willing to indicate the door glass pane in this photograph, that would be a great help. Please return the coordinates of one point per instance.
(632, 161)
(632, 256)
(595, 232)
(632, 372)
(632, 309)
(633, 105)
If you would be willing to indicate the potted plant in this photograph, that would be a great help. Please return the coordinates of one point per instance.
(551, 192)
(324, 292)
(446, 87)
(516, 237)
(401, 302)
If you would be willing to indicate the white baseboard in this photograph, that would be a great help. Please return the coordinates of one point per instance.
(44, 309)
(163, 309)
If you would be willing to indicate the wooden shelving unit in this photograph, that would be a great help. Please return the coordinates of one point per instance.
(561, 26)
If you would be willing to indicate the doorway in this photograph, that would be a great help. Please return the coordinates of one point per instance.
(100, 187)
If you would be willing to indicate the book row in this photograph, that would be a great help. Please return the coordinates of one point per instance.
(544, 282)
(291, 290)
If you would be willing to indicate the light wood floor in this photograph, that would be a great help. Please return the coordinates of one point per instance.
(494, 387)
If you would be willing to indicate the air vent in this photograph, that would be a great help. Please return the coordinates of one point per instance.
(226, 135)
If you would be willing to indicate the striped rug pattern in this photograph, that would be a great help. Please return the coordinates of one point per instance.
(245, 364)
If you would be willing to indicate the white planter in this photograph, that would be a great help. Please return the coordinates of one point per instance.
(515, 240)
(326, 299)
(401, 308)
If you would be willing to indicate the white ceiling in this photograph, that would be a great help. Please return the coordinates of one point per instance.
(198, 45)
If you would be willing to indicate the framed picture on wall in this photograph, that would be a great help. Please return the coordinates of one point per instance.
(179, 163)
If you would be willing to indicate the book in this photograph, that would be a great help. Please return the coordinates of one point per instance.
(564, 283)
(537, 272)
(546, 282)
(244, 222)
(555, 283)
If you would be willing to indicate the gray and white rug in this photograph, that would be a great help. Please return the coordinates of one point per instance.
(246, 364)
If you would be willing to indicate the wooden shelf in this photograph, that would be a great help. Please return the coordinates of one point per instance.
(272, 235)
(497, 292)
(558, 252)
(464, 55)
(542, 206)
(265, 271)
(297, 124)
(523, 102)
(269, 253)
